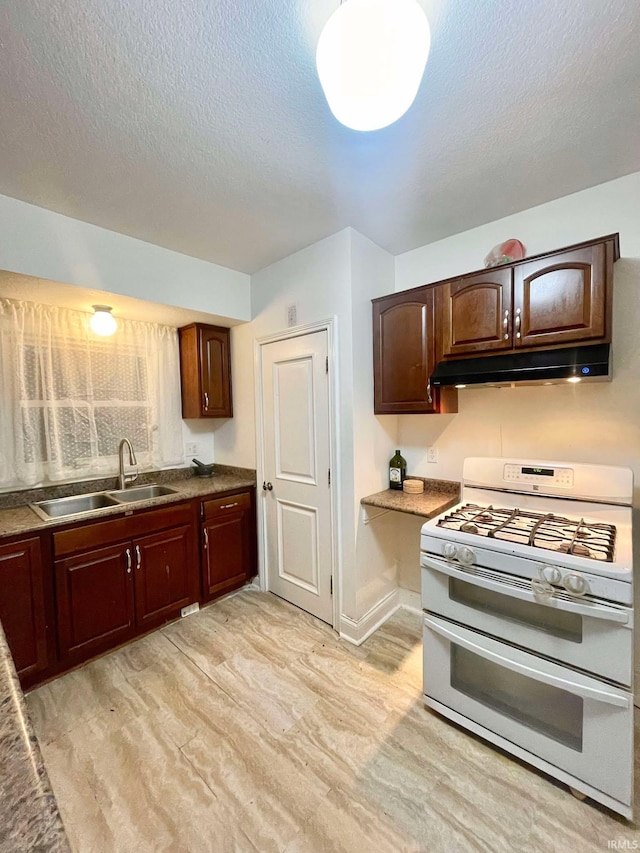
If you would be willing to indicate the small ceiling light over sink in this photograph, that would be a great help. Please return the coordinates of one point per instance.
(103, 322)
(370, 58)
(461, 386)
(574, 379)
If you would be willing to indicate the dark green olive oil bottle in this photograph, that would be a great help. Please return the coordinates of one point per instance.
(397, 471)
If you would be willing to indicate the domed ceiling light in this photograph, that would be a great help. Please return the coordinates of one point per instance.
(370, 58)
(103, 322)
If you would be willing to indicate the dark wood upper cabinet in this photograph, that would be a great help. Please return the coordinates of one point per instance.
(205, 371)
(22, 606)
(557, 299)
(228, 543)
(404, 355)
(474, 314)
(563, 299)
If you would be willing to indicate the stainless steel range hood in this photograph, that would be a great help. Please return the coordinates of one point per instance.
(527, 368)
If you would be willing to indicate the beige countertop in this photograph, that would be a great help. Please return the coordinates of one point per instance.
(438, 496)
(22, 519)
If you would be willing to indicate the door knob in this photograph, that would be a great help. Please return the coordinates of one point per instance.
(267, 487)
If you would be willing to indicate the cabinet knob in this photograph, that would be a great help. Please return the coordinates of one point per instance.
(128, 554)
(206, 539)
(206, 401)
(138, 557)
(429, 397)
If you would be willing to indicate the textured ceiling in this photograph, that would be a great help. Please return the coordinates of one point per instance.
(201, 125)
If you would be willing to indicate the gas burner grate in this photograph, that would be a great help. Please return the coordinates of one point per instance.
(538, 530)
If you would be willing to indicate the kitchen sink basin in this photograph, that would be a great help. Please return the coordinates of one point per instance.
(78, 504)
(58, 507)
(141, 493)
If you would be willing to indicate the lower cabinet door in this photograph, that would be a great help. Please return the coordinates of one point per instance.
(95, 600)
(22, 606)
(226, 553)
(166, 576)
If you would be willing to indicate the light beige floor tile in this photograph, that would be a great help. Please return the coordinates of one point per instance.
(251, 726)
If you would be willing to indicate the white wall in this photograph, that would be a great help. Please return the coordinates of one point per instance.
(597, 422)
(372, 273)
(317, 281)
(336, 277)
(38, 242)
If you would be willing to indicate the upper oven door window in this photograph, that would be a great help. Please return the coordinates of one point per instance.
(585, 633)
(556, 623)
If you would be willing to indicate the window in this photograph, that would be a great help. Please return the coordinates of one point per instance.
(68, 396)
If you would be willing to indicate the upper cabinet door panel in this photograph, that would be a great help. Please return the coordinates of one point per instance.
(403, 348)
(561, 299)
(205, 371)
(216, 372)
(475, 313)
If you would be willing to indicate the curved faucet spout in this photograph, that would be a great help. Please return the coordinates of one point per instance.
(125, 479)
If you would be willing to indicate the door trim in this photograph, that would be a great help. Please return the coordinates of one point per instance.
(329, 326)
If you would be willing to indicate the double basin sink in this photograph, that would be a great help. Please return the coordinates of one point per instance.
(77, 504)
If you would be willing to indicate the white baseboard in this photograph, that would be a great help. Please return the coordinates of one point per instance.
(356, 632)
(410, 600)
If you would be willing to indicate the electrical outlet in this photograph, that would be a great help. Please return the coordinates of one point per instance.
(191, 449)
(432, 454)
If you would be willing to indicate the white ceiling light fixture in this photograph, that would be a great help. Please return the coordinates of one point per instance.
(103, 322)
(370, 58)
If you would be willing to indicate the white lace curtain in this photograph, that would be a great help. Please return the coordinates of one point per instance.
(68, 396)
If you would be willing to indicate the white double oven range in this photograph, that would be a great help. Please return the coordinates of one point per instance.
(527, 591)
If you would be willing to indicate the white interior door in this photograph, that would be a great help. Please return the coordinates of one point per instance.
(297, 497)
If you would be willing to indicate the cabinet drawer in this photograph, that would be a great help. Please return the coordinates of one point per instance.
(119, 528)
(227, 505)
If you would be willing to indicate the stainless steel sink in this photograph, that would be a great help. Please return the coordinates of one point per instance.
(78, 504)
(141, 493)
(59, 507)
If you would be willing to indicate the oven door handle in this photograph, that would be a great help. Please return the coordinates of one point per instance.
(597, 611)
(584, 690)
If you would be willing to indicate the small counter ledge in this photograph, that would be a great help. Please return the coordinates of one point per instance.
(29, 816)
(438, 496)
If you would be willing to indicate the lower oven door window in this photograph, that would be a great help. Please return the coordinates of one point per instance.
(593, 636)
(572, 721)
(549, 710)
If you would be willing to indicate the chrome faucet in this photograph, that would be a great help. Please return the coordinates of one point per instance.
(125, 479)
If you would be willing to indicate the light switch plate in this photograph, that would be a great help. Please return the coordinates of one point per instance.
(292, 315)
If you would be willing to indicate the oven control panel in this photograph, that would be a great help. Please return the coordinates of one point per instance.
(561, 478)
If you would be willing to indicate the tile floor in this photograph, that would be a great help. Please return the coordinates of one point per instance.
(250, 726)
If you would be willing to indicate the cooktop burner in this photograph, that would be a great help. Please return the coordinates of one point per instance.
(552, 532)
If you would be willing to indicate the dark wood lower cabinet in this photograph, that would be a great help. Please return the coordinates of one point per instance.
(116, 578)
(164, 575)
(228, 543)
(22, 606)
(95, 601)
